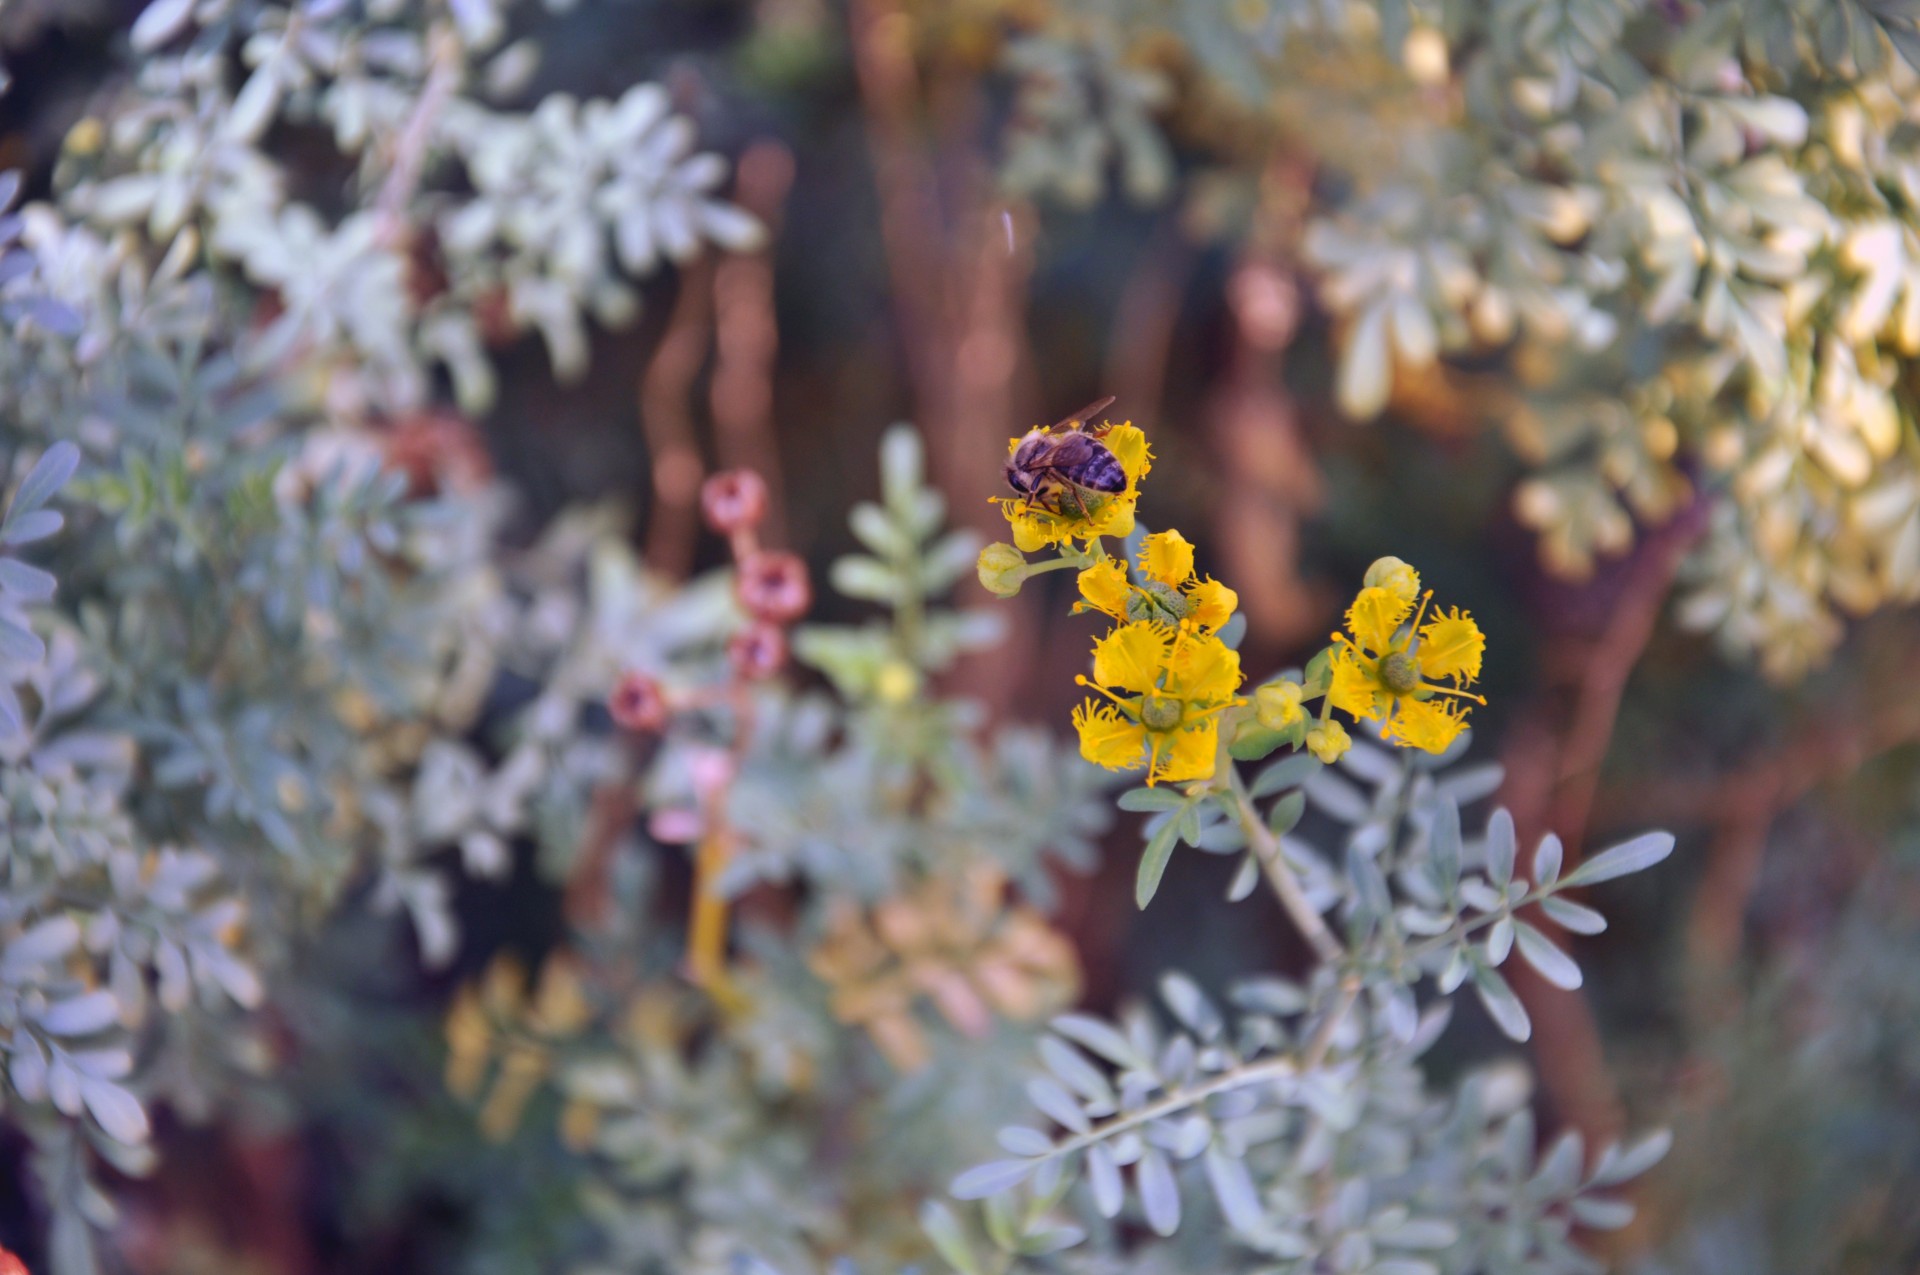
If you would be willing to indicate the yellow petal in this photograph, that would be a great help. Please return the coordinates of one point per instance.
(1193, 754)
(1353, 687)
(1129, 447)
(1167, 557)
(1108, 739)
(1206, 671)
(1329, 742)
(1431, 725)
(1374, 616)
(1032, 531)
(1114, 518)
(1131, 657)
(1211, 604)
(1451, 646)
(1104, 586)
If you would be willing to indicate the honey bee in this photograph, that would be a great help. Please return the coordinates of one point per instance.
(1066, 469)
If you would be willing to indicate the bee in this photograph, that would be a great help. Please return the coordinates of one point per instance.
(1066, 469)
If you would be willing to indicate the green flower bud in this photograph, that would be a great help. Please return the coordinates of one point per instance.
(1003, 569)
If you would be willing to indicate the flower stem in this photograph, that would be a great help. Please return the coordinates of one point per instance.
(1280, 874)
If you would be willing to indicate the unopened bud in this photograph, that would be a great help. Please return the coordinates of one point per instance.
(1003, 569)
(1395, 576)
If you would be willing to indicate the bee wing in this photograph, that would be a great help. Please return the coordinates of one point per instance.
(1085, 414)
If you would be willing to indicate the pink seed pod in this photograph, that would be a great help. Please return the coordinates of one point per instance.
(773, 586)
(639, 704)
(733, 501)
(758, 652)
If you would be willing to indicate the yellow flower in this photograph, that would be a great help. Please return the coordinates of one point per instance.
(1387, 670)
(1035, 528)
(1165, 687)
(1277, 704)
(1329, 742)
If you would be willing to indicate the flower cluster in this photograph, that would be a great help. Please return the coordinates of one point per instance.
(1167, 682)
(1163, 672)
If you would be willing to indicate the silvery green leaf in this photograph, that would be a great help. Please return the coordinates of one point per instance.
(1618, 1164)
(991, 1178)
(26, 583)
(48, 940)
(48, 475)
(1336, 796)
(1559, 1171)
(1066, 1062)
(1190, 1005)
(1286, 773)
(1443, 848)
(1573, 916)
(1502, 1005)
(19, 643)
(80, 1015)
(1099, 1037)
(27, 1068)
(34, 525)
(1546, 860)
(1050, 1239)
(1057, 1105)
(1159, 1192)
(1153, 863)
(1418, 1232)
(1286, 812)
(1234, 1189)
(1500, 941)
(1190, 1137)
(1371, 897)
(1019, 1139)
(1151, 799)
(159, 22)
(1500, 848)
(858, 576)
(1103, 1177)
(118, 1112)
(1554, 965)
(1629, 856)
(949, 1239)
(1245, 878)
(1602, 1214)
(1403, 1266)
(1269, 994)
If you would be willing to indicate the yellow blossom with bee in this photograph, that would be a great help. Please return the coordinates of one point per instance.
(1090, 514)
(1389, 669)
(1165, 687)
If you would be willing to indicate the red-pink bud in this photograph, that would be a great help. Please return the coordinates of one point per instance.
(758, 651)
(734, 500)
(773, 586)
(639, 704)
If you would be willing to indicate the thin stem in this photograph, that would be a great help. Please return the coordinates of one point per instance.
(1279, 1067)
(1280, 875)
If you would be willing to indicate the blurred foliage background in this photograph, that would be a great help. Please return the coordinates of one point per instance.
(1604, 312)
